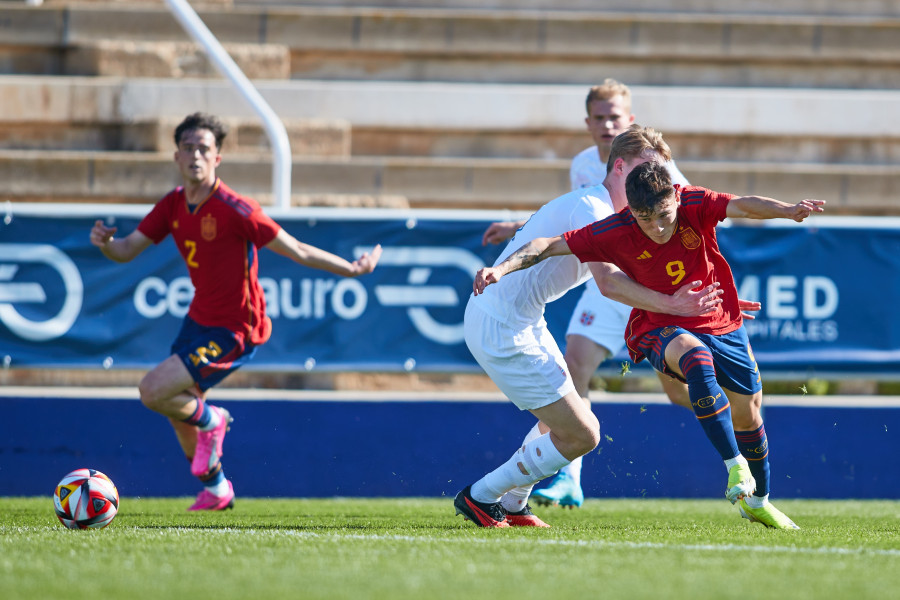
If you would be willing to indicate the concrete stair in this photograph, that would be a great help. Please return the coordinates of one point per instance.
(452, 105)
(464, 45)
(747, 7)
(519, 184)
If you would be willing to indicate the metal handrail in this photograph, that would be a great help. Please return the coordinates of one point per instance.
(278, 138)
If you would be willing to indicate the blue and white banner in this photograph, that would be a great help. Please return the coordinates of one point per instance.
(827, 289)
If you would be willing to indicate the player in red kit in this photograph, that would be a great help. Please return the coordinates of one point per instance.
(666, 237)
(217, 233)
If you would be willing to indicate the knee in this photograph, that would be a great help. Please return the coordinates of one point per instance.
(589, 436)
(580, 367)
(746, 412)
(149, 397)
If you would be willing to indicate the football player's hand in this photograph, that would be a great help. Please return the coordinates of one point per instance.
(101, 235)
(804, 208)
(499, 232)
(691, 300)
(747, 306)
(485, 277)
(366, 262)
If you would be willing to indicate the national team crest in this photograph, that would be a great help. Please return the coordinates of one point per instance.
(208, 228)
(689, 239)
(587, 318)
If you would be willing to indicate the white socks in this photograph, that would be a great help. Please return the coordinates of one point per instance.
(219, 489)
(573, 470)
(737, 460)
(757, 501)
(531, 463)
(515, 499)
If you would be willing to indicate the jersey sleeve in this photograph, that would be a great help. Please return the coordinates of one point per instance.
(261, 228)
(710, 206)
(583, 244)
(155, 225)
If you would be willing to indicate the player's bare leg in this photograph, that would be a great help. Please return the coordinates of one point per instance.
(186, 433)
(187, 437)
(676, 391)
(574, 431)
(169, 389)
(583, 356)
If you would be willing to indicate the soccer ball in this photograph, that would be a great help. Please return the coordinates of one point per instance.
(86, 499)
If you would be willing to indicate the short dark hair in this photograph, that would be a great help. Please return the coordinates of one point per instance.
(647, 186)
(200, 120)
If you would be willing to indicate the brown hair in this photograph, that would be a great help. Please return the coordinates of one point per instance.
(636, 140)
(647, 186)
(200, 120)
(610, 88)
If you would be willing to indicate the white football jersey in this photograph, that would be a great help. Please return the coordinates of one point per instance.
(587, 170)
(519, 298)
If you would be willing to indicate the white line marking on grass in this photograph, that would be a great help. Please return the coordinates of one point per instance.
(596, 544)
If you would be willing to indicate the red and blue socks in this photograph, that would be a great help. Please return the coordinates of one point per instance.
(708, 399)
(754, 446)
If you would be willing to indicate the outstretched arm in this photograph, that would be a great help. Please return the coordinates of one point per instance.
(118, 249)
(310, 256)
(760, 207)
(685, 302)
(528, 255)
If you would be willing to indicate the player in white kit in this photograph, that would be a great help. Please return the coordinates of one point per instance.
(506, 332)
(596, 327)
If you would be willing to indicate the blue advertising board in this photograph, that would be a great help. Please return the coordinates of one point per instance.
(325, 446)
(827, 288)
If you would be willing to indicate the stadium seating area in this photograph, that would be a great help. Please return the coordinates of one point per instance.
(454, 103)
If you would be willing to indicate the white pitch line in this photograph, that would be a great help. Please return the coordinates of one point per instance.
(600, 398)
(596, 544)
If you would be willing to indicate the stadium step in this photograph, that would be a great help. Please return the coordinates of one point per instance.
(450, 120)
(754, 7)
(643, 48)
(424, 182)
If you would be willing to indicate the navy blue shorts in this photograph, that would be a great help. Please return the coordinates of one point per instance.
(210, 353)
(736, 369)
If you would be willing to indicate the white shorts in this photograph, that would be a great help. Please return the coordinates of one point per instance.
(526, 364)
(600, 319)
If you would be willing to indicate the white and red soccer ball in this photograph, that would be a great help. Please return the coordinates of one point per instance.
(86, 499)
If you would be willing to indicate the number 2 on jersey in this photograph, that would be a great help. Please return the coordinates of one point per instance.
(676, 270)
(191, 246)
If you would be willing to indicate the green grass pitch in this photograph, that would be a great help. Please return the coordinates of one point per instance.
(417, 548)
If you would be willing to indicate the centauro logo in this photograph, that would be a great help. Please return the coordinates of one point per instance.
(15, 293)
(347, 298)
(417, 297)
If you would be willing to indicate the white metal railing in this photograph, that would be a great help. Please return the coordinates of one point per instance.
(278, 138)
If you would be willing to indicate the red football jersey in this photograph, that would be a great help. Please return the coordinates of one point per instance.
(691, 254)
(218, 239)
